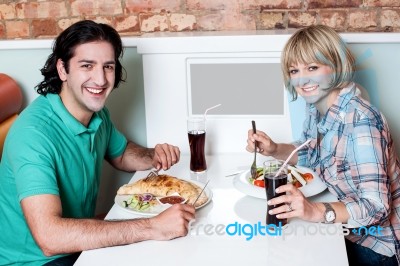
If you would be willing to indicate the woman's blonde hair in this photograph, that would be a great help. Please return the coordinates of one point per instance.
(318, 44)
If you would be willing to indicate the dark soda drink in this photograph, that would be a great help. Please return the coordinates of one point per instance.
(197, 139)
(271, 183)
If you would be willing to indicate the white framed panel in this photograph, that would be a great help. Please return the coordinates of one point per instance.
(244, 86)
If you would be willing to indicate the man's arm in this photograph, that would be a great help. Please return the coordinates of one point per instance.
(136, 157)
(57, 235)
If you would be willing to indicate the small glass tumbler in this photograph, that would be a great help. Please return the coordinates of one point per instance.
(272, 182)
(197, 140)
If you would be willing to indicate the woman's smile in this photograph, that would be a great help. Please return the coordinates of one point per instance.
(310, 88)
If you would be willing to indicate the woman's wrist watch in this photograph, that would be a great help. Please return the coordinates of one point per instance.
(330, 214)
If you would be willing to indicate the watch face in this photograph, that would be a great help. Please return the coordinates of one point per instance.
(330, 216)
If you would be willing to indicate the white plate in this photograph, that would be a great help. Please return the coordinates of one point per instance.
(119, 200)
(241, 183)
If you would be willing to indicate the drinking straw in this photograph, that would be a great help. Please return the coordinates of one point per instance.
(290, 156)
(205, 113)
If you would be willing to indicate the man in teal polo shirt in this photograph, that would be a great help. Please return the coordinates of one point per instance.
(53, 156)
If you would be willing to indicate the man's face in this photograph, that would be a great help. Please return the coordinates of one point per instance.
(311, 81)
(90, 79)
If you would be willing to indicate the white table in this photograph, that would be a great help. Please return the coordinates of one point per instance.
(313, 244)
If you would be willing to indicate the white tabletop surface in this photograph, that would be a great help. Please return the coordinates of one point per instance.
(301, 243)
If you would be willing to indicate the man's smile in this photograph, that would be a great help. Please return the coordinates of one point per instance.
(95, 90)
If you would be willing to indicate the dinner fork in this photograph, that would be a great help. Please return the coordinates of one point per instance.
(152, 175)
(253, 169)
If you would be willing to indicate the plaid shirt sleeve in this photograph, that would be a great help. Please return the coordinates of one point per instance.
(364, 174)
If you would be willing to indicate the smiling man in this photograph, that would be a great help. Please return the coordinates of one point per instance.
(53, 156)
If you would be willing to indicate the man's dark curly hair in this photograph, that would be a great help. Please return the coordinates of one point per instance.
(82, 32)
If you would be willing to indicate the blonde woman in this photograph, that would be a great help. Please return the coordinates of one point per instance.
(351, 148)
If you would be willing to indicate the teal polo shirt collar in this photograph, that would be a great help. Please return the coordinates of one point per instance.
(70, 121)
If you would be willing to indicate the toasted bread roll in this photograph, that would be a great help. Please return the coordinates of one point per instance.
(165, 185)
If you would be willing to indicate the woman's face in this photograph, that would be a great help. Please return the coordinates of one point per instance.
(311, 81)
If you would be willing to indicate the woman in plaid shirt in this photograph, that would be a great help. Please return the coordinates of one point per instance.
(351, 148)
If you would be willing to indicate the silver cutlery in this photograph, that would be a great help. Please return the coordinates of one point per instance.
(201, 192)
(152, 175)
(253, 169)
(236, 173)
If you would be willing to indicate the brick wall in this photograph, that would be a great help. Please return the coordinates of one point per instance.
(27, 19)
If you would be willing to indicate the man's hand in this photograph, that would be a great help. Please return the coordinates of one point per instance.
(165, 156)
(172, 223)
(138, 158)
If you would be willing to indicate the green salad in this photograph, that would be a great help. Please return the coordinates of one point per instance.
(140, 202)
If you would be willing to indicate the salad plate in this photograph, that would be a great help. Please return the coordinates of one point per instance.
(156, 207)
(243, 184)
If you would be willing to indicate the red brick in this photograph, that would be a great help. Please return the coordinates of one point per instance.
(17, 29)
(52, 10)
(182, 22)
(82, 8)
(26, 10)
(2, 31)
(335, 19)
(210, 22)
(101, 7)
(102, 19)
(270, 20)
(65, 23)
(127, 24)
(280, 4)
(301, 19)
(7, 11)
(226, 21)
(211, 5)
(390, 20)
(270, 4)
(138, 6)
(41, 10)
(109, 7)
(333, 3)
(381, 3)
(224, 15)
(238, 21)
(364, 20)
(44, 28)
(151, 22)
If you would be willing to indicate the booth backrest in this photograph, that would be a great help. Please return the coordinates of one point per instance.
(10, 105)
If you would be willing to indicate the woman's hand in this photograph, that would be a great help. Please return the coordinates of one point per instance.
(265, 145)
(296, 205)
